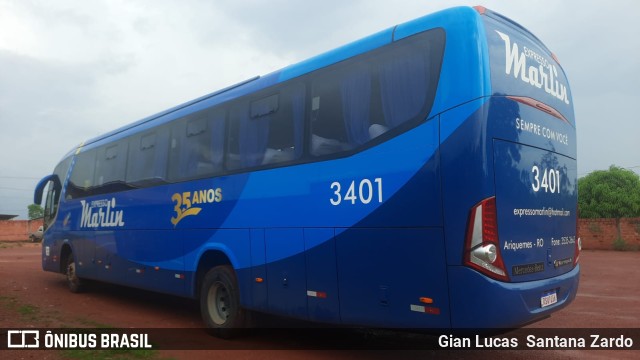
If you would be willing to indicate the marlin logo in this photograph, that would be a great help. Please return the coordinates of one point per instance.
(544, 75)
(101, 213)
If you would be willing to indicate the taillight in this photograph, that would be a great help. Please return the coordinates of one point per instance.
(482, 248)
(578, 249)
(578, 244)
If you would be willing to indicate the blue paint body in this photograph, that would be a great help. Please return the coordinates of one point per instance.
(371, 261)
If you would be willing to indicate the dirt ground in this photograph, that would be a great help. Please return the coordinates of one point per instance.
(608, 297)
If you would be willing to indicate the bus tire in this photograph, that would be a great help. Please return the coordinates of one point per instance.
(75, 283)
(220, 302)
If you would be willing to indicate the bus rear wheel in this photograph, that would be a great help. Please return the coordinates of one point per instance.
(220, 302)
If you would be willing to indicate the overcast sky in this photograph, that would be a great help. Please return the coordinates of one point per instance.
(71, 70)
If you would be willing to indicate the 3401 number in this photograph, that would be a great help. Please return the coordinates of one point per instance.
(365, 191)
(547, 179)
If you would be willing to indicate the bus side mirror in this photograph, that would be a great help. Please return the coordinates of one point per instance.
(37, 196)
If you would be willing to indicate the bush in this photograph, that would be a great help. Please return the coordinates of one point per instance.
(619, 244)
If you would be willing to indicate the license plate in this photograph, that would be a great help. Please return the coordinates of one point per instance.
(549, 299)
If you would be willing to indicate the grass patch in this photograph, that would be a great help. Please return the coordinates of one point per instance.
(27, 310)
(9, 302)
(11, 244)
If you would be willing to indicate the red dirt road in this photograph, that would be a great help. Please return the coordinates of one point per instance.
(608, 297)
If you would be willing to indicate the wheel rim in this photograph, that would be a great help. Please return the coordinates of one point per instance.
(218, 303)
(71, 273)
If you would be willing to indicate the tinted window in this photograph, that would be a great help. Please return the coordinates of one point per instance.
(82, 175)
(62, 169)
(148, 157)
(355, 102)
(100, 170)
(197, 145)
(267, 128)
(111, 166)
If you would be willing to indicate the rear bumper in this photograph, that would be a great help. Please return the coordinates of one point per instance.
(480, 302)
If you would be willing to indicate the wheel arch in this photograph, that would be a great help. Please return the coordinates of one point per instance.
(65, 251)
(209, 259)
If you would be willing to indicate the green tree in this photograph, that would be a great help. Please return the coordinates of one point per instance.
(613, 194)
(35, 211)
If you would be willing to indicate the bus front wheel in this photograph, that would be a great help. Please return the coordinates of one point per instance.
(75, 283)
(220, 302)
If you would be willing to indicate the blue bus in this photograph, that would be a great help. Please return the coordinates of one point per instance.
(421, 177)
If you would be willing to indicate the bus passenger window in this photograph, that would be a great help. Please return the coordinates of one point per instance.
(328, 134)
(197, 144)
(247, 138)
(111, 165)
(341, 114)
(286, 127)
(204, 145)
(359, 100)
(267, 130)
(404, 82)
(147, 163)
(82, 175)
